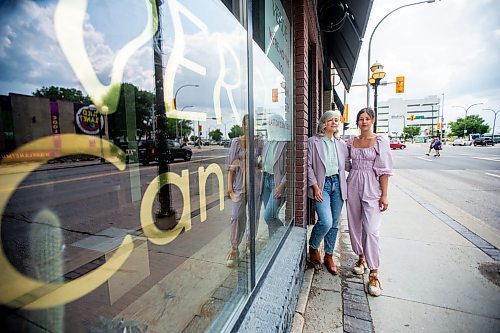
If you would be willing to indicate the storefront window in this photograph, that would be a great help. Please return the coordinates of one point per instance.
(124, 171)
(273, 119)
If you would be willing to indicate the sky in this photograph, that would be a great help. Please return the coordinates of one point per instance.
(449, 47)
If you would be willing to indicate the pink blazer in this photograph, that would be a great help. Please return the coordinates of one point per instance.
(316, 166)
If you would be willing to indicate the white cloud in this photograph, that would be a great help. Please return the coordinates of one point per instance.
(448, 47)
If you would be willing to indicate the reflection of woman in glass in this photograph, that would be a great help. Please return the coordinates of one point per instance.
(274, 174)
(326, 180)
(236, 190)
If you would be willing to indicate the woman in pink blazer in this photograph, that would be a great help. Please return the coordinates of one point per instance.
(327, 186)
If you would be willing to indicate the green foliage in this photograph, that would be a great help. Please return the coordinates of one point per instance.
(68, 94)
(216, 135)
(473, 124)
(235, 131)
(411, 131)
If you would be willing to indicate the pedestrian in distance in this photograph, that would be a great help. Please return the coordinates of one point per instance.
(369, 169)
(326, 180)
(437, 147)
(431, 146)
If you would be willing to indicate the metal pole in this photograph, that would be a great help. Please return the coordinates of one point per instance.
(494, 123)
(466, 109)
(164, 195)
(442, 116)
(375, 105)
(493, 131)
(370, 46)
(432, 120)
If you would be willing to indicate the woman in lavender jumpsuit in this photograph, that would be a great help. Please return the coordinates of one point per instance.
(370, 167)
(237, 190)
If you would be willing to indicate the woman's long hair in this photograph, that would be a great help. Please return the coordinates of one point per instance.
(324, 119)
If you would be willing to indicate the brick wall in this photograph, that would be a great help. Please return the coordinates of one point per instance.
(306, 35)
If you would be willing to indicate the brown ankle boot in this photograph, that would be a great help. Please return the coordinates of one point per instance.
(330, 264)
(314, 256)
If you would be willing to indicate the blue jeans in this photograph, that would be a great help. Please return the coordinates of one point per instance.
(272, 206)
(328, 212)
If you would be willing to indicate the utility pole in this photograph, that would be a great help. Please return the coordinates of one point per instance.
(442, 117)
(161, 116)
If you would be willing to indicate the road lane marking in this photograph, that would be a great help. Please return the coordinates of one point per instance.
(425, 159)
(494, 159)
(491, 174)
(72, 179)
(142, 168)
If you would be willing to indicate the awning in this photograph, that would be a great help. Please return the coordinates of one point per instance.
(343, 25)
(338, 102)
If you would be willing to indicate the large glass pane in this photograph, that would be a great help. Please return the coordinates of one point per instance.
(273, 118)
(116, 120)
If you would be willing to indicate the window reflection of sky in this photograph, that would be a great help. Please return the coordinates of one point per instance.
(30, 56)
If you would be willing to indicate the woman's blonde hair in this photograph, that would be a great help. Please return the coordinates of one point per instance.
(323, 120)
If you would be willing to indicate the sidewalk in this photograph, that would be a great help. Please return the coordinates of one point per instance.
(437, 276)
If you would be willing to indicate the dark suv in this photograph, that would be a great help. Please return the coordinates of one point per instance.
(148, 152)
(483, 142)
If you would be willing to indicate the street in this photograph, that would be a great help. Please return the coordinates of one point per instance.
(465, 177)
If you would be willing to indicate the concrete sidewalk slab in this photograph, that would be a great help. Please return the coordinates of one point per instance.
(429, 271)
(477, 226)
(430, 275)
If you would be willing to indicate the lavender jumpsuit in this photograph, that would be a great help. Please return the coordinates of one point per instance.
(363, 188)
(237, 163)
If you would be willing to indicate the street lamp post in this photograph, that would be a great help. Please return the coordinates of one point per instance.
(494, 122)
(176, 120)
(377, 75)
(175, 104)
(177, 91)
(466, 109)
(370, 44)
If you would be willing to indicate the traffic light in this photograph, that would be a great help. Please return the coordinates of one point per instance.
(412, 116)
(346, 112)
(438, 126)
(346, 126)
(400, 85)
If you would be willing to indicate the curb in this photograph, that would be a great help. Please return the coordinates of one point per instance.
(298, 318)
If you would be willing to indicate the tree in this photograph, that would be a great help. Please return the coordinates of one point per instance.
(144, 101)
(473, 124)
(235, 131)
(411, 131)
(68, 94)
(216, 135)
(140, 109)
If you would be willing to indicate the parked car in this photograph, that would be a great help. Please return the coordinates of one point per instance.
(397, 145)
(225, 143)
(148, 151)
(461, 142)
(483, 142)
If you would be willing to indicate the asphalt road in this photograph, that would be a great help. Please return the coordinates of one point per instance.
(91, 198)
(467, 177)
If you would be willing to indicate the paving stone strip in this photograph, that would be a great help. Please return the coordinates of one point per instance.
(357, 316)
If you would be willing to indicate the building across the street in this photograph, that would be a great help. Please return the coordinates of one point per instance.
(397, 113)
